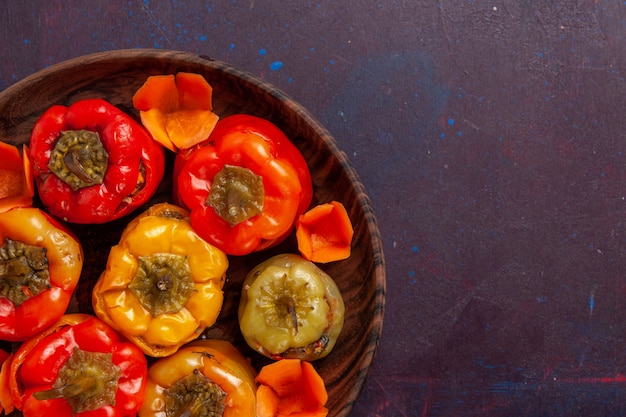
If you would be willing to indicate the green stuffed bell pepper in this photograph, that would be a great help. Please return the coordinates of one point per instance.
(290, 308)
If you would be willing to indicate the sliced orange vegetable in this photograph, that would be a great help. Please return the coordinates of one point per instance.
(177, 110)
(16, 180)
(266, 401)
(290, 387)
(324, 233)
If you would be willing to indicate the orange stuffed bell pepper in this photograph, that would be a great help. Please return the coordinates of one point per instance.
(16, 179)
(40, 265)
(245, 186)
(163, 284)
(204, 378)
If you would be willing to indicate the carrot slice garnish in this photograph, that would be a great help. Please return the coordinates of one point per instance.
(324, 233)
(290, 387)
(16, 179)
(177, 110)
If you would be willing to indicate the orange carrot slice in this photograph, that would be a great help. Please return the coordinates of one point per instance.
(16, 180)
(314, 384)
(324, 233)
(159, 91)
(290, 387)
(194, 92)
(177, 110)
(283, 376)
(266, 402)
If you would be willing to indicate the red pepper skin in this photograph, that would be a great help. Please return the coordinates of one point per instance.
(65, 261)
(37, 362)
(257, 144)
(128, 144)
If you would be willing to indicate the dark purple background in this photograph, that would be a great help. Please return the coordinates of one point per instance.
(490, 138)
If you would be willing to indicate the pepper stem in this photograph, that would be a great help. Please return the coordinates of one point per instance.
(24, 271)
(79, 158)
(163, 283)
(87, 381)
(195, 395)
(74, 389)
(236, 194)
(290, 305)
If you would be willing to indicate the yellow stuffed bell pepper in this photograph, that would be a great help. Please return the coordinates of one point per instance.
(163, 283)
(203, 378)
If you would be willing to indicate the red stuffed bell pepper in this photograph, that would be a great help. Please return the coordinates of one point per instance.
(245, 186)
(40, 265)
(80, 367)
(92, 162)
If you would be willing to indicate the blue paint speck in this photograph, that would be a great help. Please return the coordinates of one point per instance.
(262, 52)
(232, 46)
(203, 38)
(415, 249)
(276, 65)
(451, 122)
(26, 41)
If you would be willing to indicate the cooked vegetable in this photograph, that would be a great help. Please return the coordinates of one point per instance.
(163, 284)
(176, 109)
(5, 394)
(324, 233)
(79, 367)
(93, 163)
(16, 180)
(290, 308)
(205, 378)
(290, 387)
(245, 186)
(40, 265)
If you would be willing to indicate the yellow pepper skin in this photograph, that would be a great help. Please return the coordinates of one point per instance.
(141, 262)
(219, 361)
(290, 308)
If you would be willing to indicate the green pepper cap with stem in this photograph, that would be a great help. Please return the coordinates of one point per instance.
(236, 194)
(79, 158)
(87, 381)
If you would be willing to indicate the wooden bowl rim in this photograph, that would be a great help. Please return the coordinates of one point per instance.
(379, 273)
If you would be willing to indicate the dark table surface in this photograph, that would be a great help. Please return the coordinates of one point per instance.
(490, 138)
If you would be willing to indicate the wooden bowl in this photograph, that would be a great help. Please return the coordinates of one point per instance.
(115, 76)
